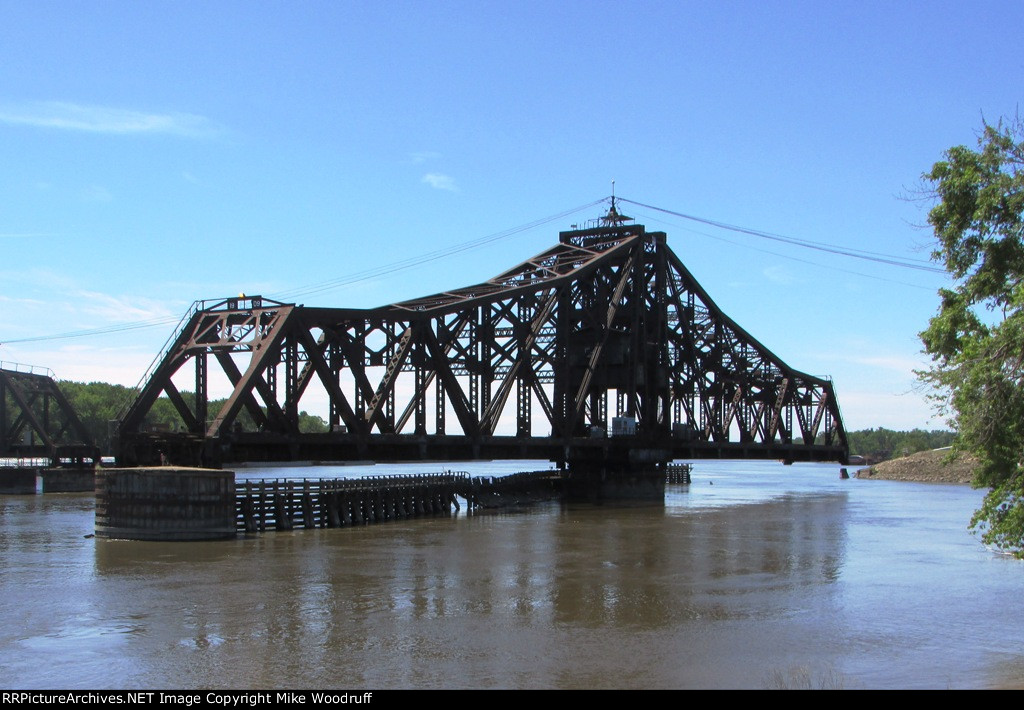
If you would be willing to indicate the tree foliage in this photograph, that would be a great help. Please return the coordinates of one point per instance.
(98, 404)
(976, 340)
(881, 444)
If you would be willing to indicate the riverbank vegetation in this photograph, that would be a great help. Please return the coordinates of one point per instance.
(883, 444)
(98, 405)
(976, 339)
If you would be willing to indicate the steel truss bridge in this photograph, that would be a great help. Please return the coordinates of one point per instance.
(36, 419)
(602, 348)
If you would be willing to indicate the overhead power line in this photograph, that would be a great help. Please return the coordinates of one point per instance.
(135, 325)
(330, 285)
(890, 259)
(411, 262)
(750, 247)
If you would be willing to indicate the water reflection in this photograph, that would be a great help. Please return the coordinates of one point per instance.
(408, 602)
(695, 593)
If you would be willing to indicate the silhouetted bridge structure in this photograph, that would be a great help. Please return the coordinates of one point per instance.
(602, 354)
(37, 421)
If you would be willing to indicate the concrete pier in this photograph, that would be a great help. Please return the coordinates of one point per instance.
(18, 480)
(68, 480)
(29, 480)
(165, 503)
(636, 474)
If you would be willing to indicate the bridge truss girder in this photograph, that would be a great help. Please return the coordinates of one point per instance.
(37, 420)
(533, 363)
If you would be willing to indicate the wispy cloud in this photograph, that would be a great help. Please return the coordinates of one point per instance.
(122, 308)
(86, 362)
(896, 363)
(37, 277)
(779, 274)
(440, 182)
(879, 359)
(871, 408)
(22, 301)
(96, 193)
(103, 119)
(423, 156)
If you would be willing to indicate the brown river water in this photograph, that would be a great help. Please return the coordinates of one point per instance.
(755, 575)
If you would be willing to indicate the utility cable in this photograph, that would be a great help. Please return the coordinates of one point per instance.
(404, 264)
(325, 286)
(409, 263)
(791, 258)
(877, 257)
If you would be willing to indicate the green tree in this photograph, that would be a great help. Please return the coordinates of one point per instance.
(96, 404)
(312, 424)
(881, 443)
(977, 338)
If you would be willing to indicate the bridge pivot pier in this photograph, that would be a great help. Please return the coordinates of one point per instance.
(634, 473)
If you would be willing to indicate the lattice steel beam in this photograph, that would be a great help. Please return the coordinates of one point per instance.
(35, 416)
(609, 315)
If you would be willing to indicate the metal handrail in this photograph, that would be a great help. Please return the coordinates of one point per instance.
(239, 302)
(24, 369)
(132, 393)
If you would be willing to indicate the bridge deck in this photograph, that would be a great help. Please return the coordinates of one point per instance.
(253, 447)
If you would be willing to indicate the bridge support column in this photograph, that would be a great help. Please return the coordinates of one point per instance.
(600, 475)
(165, 504)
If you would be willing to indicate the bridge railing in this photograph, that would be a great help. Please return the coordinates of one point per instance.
(132, 393)
(197, 306)
(26, 369)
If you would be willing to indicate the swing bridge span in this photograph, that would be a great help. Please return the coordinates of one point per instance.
(602, 354)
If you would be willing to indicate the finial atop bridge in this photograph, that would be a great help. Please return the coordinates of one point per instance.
(613, 218)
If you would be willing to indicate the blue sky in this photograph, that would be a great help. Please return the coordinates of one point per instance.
(161, 152)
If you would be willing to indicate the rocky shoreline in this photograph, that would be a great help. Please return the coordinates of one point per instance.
(925, 467)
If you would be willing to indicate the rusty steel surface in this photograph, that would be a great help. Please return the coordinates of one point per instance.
(36, 419)
(603, 345)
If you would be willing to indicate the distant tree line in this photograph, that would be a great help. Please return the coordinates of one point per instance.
(98, 404)
(881, 444)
